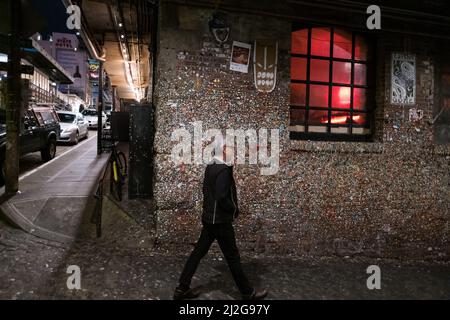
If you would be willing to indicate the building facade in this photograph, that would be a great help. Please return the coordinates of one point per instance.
(68, 51)
(362, 117)
(41, 82)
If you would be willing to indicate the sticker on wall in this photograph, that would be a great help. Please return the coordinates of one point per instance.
(240, 56)
(415, 114)
(265, 65)
(403, 81)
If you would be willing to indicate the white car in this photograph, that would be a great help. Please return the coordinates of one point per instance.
(91, 116)
(73, 127)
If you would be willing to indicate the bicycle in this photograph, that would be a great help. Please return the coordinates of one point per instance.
(118, 173)
(117, 163)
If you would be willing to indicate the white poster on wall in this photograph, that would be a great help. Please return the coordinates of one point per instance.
(403, 79)
(240, 56)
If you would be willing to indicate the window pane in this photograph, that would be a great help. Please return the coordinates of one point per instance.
(297, 116)
(318, 117)
(360, 119)
(320, 42)
(341, 97)
(342, 46)
(320, 70)
(298, 68)
(446, 102)
(361, 124)
(361, 49)
(342, 72)
(359, 99)
(360, 74)
(340, 122)
(299, 41)
(298, 94)
(446, 80)
(340, 118)
(318, 96)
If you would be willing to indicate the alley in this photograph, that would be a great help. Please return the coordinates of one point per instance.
(125, 263)
(315, 135)
(33, 268)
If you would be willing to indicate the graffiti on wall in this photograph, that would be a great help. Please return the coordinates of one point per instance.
(403, 81)
(265, 65)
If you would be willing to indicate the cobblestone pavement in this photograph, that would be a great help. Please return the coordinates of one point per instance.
(120, 268)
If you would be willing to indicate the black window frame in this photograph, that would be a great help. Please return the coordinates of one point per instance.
(370, 87)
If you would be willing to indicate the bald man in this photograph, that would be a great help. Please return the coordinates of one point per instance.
(219, 211)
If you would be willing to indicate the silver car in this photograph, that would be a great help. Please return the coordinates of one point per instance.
(73, 127)
(91, 116)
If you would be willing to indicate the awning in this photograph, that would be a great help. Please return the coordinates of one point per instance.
(42, 60)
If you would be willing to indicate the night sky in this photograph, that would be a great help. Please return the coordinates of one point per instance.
(54, 12)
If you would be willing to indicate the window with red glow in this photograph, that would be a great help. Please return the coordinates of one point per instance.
(330, 84)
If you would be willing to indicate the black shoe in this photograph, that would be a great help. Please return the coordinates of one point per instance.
(182, 294)
(256, 295)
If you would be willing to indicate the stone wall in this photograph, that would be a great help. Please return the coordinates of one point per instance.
(387, 198)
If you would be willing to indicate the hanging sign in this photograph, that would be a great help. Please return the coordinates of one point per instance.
(94, 69)
(65, 41)
(265, 65)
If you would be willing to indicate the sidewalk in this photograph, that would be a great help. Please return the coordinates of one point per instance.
(113, 269)
(53, 197)
(120, 266)
(125, 264)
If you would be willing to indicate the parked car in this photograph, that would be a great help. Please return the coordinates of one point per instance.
(73, 127)
(39, 131)
(91, 116)
(108, 111)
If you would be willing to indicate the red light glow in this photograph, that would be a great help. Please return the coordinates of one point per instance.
(344, 96)
(341, 119)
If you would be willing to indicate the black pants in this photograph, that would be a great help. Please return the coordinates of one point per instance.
(224, 233)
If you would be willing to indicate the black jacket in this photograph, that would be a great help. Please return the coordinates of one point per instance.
(219, 194)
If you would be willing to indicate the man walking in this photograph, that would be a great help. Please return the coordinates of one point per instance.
(219, 210)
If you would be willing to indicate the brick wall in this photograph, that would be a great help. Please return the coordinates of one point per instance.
(387, 198)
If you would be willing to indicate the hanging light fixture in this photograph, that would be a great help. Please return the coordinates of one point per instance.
(77, 73)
